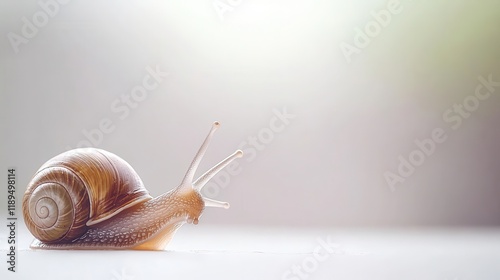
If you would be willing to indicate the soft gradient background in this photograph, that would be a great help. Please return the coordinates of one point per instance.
(352, 120)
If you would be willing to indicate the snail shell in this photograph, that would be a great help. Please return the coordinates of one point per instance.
(77, 189)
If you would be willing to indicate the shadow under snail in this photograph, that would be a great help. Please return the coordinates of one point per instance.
(89, 198)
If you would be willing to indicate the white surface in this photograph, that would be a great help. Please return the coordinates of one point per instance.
(200, 252)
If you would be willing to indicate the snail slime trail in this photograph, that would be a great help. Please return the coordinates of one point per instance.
(11, 220)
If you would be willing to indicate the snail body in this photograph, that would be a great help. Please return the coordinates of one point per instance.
(89, 198)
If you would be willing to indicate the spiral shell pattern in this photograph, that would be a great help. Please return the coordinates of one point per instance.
(77, 189)
(56, 206)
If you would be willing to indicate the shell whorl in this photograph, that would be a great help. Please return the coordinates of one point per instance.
(56, 205)
(78, 189)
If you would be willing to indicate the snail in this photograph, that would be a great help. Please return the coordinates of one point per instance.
(88, 198)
